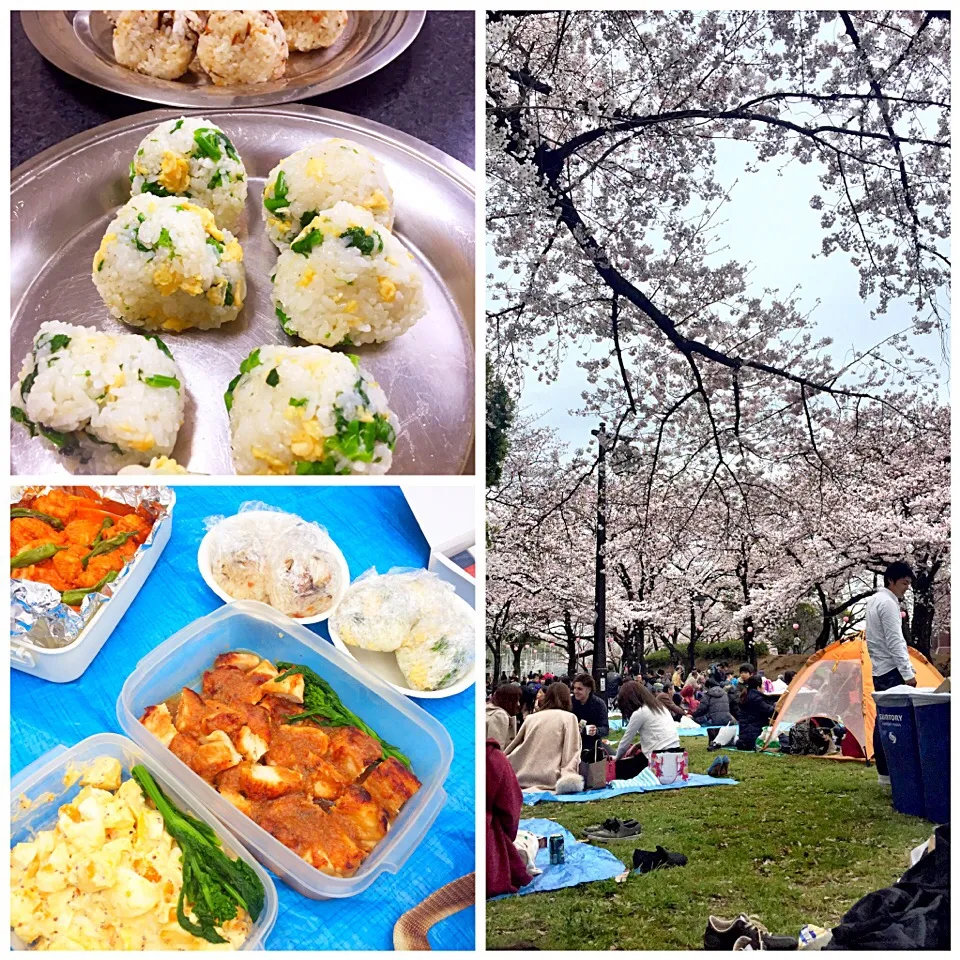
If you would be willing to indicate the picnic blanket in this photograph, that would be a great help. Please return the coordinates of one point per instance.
(373, 526)
(639, 784)
(584, 863)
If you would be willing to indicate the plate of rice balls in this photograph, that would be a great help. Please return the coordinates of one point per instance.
(267, 291)
(221, 58)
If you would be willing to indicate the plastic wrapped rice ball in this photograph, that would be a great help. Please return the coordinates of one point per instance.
(439, 649)
(113, 399)
(164, 264)
(312, 29)
(307, 410)
(237, 562)
(318, 177)
(305, 574)
(347, 279)
(158, 43)
(192, 158)
(243, 46)
(378, 612)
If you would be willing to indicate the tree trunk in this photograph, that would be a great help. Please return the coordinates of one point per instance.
(571, 643)
(920, 630)
(692, 645)
(749, 653)
(517, 653)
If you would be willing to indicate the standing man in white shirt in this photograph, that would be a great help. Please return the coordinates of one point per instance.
(887, 646)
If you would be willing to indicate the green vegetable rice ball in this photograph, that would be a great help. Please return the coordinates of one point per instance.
(194, 159)
(109, 400)
(164, 264)
(308, 410)
(347, 279)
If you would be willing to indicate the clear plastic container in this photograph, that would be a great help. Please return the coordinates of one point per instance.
(258, 628)
(41, 783)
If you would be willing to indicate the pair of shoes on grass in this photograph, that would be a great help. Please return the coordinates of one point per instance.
(720, 766)
(646, 860)
(743, 933)
(613, 828)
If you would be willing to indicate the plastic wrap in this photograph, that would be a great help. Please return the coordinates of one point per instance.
(279, 559)
(37, 616)
(414, 614)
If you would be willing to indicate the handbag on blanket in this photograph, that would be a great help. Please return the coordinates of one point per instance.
(726, 735)
(594, 772)
(611, 769)
(670, 766)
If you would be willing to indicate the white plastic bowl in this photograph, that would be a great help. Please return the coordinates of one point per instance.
(264, 517)
(385, 666)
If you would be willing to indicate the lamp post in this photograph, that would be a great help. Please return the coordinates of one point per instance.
(600, 583)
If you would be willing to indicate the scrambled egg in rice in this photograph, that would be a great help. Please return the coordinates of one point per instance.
(106, 877)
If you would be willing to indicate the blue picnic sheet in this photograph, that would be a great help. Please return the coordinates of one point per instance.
(373, 526)
(533, 797)
(584, 862)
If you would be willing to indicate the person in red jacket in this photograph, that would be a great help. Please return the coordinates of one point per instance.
(506, 872)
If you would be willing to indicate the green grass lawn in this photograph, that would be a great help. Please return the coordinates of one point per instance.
(798, 840)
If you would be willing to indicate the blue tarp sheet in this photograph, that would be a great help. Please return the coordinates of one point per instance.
(373, 526)
(584, 863)
(532, 797)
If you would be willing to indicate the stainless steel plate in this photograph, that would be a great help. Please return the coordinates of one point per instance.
(63, 199)
(81, 43)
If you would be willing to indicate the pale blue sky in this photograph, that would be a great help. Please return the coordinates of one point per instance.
(770, 223)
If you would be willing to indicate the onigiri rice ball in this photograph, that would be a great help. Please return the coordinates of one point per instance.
(439, 649)
(158, 43)
(114, 399)
(347, 279)
(164, 264)
(192, 158)
(307, 410)
(161, 466)
(243, 46)
(312, 29)
(318, 177)
(378, 612)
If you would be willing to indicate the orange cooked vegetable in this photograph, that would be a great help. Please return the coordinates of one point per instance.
(87, 519)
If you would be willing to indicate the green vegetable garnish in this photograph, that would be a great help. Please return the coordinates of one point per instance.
(228, 396)
(363, 241)
(160, 344)
(279, 199)
(105, 525)
(58, 342)
(216, 180)
(19, 416)
(228, 296)
(151, 186)
(214, 886)
(327, 467)
(160, 380)
(273, 378)
(307, 217)
(32, 555)
(19, 512)
(177, 125)
(285, 322)
(216, 244)
(73, 598)
(206, 141)
(132, 171)
(252, 362)
(298, 401)
(321, 700)
(304, 245)
(165, 240)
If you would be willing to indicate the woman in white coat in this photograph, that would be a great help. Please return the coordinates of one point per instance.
(545, 754)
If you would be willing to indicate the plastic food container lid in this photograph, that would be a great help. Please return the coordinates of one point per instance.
(32, 808)
(255, 627)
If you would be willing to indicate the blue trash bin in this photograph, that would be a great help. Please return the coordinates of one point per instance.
(931, 713)
(899, 737)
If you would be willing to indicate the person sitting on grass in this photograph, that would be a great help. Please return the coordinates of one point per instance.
(506, 871)
(714, 709)
(545, 754)
(755, 710)
(591, 714)
(502, 712)
(648, 721)
(689, 697)
(667, 700)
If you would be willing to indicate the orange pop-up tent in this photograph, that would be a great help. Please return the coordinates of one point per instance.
(837, 682)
